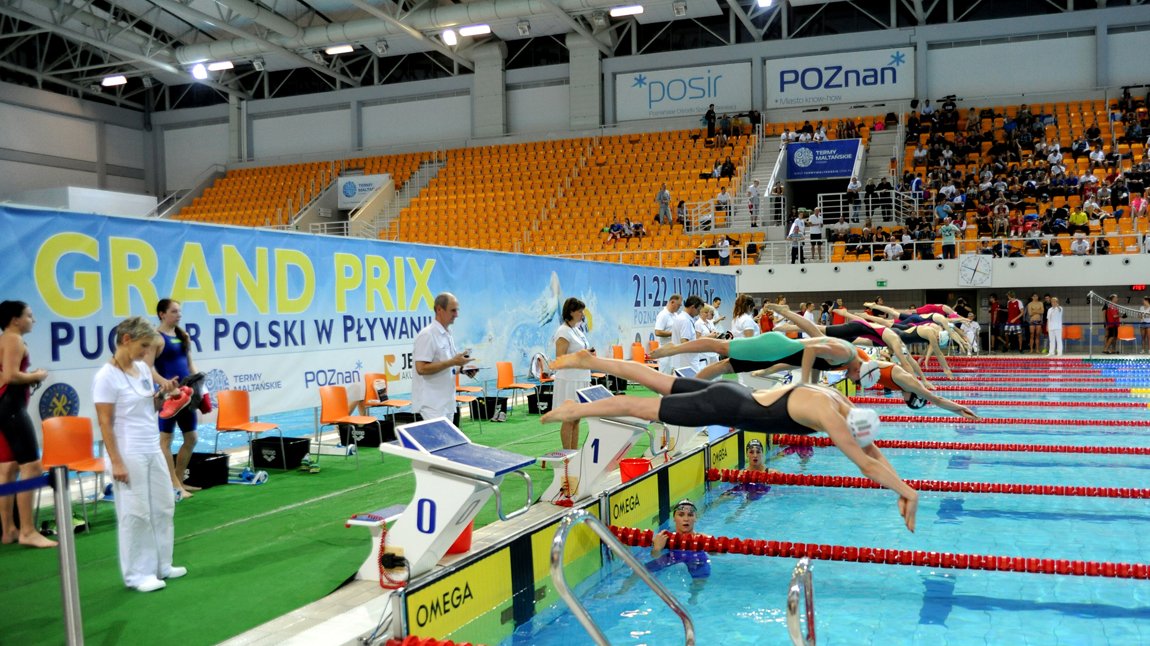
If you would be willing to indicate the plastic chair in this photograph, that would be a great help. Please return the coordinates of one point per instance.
(505, 380)
(373, 397)
(638, 353)
(234, 416)
(1126, 333)
(333, 411)
(68, 443)
(461, 397)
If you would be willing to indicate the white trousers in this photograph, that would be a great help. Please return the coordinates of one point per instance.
(972, 329)
(1055, 335)
(145, 507)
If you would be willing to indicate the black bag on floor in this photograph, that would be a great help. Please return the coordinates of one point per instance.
(207, 470)
(266, 452)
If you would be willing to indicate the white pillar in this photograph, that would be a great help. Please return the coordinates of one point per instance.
(586, 83)
(489, 92)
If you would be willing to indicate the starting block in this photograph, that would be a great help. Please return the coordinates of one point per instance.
(766, 382)
(453, 480)
(583, 474)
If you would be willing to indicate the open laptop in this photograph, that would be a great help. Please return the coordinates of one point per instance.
(595, 393)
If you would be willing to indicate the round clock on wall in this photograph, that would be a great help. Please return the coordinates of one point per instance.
(974, 270)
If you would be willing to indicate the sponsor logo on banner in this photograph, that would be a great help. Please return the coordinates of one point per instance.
(456, 600)
(848, 77)
(355, 189)
(821, 160)
(59, 400)
(683, 91)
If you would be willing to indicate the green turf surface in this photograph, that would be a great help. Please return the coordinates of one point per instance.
(253, 553)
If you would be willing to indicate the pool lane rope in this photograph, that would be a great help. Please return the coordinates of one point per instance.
(1036, 389)
(807, 440)
(954, 419)
(1009, 402)
(636, 537)
(742, 476)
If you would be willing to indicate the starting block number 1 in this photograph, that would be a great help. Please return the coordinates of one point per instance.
(425, 515)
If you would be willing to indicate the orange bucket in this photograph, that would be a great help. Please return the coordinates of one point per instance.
(463, 543)
(631, 468)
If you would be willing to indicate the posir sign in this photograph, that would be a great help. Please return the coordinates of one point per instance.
(683, 91)
(874, 75)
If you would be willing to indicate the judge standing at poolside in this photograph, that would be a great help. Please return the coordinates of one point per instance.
(570, 337)
(436, 360)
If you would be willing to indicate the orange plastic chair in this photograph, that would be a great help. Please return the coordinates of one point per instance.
(638, 353)
(68, 443)
(463, 396)
(376, 397)
(505, 380)
(234, 416)
(1126, 333)
(617, 352)
(333, 411)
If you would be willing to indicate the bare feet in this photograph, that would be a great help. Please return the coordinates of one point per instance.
(37, 540)
(777, 307)
(190, 488)
(182, 493)
(580, 359)
(568, 411)
(10, 537)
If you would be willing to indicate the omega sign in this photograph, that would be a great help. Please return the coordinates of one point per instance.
(443, 604)
(848, 77)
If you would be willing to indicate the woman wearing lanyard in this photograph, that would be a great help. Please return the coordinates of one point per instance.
(569, 338)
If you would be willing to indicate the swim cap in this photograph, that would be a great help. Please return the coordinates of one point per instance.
(914, 400)
(686, 502)
(869, 374)
(754, 443)
(863, 423)
(943, 338)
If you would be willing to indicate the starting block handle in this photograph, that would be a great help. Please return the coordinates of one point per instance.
(494, 487)
(651, 438)
(555, 458)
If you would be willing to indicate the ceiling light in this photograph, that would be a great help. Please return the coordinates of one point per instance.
(380, 47)
(630, 10)
(336, 50)
(220, 66)
(523, 27)
(258, 64)
(680, 9)
(449, 37)
(763, 4)
(118, 79)
(199, 72)
(475, 30)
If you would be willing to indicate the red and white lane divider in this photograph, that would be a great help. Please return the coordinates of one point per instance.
(636, 537)
(807, 440)
(855, 482)
(1009, 402)
(1035, 389)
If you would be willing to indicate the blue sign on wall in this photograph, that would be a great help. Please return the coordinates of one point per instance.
(822, 160)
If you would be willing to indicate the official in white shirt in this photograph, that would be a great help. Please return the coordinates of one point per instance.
(436, 360)
(664, 323)
(684, 331)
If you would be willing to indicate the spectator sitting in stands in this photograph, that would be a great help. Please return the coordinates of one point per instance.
(614, 232)
(636, 228)
(681, 212)
(985, 248)
(1079, 221)
(1079, 148)
(717, 170)
(1080, 246)
(1094, 134)
(1053, 247)
(1102, 247)
(728, 169)
(1033, 237)
(1015, 221)
(1001, 217)
(1097, 158)
(1006, 250)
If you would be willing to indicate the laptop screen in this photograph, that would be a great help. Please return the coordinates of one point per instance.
(593, 393)
(686, 372)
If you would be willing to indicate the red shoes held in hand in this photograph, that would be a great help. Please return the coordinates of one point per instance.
(176, 402)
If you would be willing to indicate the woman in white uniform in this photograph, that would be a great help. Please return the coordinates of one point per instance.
(1054, 327)
(124, 394)
(571, 337)
(743, 317)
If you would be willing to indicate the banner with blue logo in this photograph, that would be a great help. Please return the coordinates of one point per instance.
(280, 314)
(822, 160)
(683, 91)
(847, 77)
(355, 189)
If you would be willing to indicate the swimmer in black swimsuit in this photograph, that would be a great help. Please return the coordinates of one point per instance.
(800, 409)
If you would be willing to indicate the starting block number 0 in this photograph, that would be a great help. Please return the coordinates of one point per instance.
(425, 515)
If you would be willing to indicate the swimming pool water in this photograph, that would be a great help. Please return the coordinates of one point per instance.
(743, 600)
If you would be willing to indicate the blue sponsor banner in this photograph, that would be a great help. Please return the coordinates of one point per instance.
(822, 160)
(280, 314)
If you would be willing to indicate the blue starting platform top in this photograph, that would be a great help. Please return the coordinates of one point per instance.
(439, 438)
(599, 392)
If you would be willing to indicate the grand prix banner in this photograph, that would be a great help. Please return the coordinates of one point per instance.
(683, 91)
(822, 160)
(280, 314)
(847, 77)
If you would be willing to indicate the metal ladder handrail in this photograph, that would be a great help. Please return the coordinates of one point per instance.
(802, 583)
(578, 609)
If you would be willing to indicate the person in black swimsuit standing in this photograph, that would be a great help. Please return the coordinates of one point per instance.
(800, 409)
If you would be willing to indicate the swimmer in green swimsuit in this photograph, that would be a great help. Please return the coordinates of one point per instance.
(771, 351)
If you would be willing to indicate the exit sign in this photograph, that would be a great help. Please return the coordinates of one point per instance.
(880, 283)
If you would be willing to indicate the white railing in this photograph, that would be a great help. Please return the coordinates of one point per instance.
(181, 198)
(706, 255)
(329, 228)
(1016, 247)
(705, 218)
(880, 208)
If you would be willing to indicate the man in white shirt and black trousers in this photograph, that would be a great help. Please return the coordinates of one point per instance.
(436, 360)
